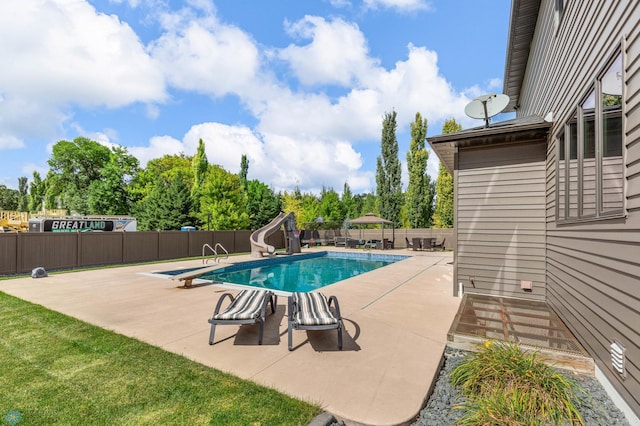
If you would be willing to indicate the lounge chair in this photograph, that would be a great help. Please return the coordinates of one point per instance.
(248, 307)
(312, 311)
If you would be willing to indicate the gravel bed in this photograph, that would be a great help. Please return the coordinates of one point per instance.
(597, 410)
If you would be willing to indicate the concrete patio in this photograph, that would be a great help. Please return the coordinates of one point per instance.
(396, 322)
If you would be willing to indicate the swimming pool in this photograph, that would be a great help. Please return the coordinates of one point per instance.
(305, 272)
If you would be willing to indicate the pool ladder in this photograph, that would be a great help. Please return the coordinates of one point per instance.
(214, 250)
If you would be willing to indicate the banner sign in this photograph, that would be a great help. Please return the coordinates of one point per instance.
(74, 225)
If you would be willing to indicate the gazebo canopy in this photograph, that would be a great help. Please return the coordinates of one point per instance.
(370, 219)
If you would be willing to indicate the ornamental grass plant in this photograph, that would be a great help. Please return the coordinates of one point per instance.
(507, 386)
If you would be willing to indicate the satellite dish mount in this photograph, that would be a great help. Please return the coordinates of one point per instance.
(486, 106)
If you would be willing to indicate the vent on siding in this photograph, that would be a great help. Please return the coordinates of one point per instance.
(618, 358)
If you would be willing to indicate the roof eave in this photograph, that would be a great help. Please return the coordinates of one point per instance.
(446, 145)
(522, 24)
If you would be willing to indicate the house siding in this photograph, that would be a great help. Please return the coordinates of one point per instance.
(592, 268)
(500, 219)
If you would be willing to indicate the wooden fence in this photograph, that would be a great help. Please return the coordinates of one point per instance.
(21, 252)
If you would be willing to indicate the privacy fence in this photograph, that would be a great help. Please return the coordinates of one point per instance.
(21, 252)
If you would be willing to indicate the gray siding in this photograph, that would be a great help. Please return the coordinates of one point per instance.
(500, 219)
(593, 268)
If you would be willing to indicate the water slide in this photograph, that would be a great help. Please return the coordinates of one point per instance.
(258, 244)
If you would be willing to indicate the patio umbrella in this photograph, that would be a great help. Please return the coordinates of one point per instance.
(372, 219)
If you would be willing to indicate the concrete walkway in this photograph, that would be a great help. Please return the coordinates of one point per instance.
(396, 320)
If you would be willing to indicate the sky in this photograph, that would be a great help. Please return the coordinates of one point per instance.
(300, 87)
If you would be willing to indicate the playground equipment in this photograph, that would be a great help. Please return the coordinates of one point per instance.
(292, 236)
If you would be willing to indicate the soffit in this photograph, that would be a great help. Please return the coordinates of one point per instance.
(522, 25)
(525, 129)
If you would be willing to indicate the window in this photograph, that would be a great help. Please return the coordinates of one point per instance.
(590, 166)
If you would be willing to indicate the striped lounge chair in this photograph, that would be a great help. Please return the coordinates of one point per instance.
(248, 307)
(312, 311)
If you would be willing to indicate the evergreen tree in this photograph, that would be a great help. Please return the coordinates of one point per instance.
(23, 200)
(167, 206)
(37, 189)
(262, 204)
(419, 198)
(349, 206)
(244, 170)
(200, 165)
(443, 213)
(389, 173)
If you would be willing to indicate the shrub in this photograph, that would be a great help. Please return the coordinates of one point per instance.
(506, 386)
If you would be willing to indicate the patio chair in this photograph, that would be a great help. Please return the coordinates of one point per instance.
(248, 307)
(312, 311)
(440, 246)
(409, 243)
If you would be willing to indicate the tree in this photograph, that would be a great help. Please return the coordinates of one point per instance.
(330, 208)
(222, 197)
(244, 170)
(109, 194)
(304, 206)
(388, 172)
(262, 204)
(8, 198)
(74, 166)
(37, 189)
(200, 166)
(365, 203)
(168, 167)
(292, 202)
(419, 199)
(443, 213)
(23, 200)
(349, 205)
(167, 207)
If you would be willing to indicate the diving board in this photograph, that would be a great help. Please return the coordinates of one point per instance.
(188, 276)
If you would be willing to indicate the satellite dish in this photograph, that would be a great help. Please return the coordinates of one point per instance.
(486, 106)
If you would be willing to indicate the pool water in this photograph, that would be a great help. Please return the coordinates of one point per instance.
(302, 273)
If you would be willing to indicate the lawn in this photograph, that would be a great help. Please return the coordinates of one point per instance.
(55, 369)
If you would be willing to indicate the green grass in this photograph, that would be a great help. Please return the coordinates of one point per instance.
(59, 370)
(506, 386)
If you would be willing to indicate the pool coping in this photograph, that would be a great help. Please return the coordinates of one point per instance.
(195, 278)
(396, 323)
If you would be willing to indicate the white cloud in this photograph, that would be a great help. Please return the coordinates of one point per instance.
(339, 3)
(158, 147)
(29, 168)
(400, 5)
(281, 161)
(64, 53)
(337, 53)
(67, 55)
(131, 3)
(205, 56)
(10, 142)
(224, 145)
